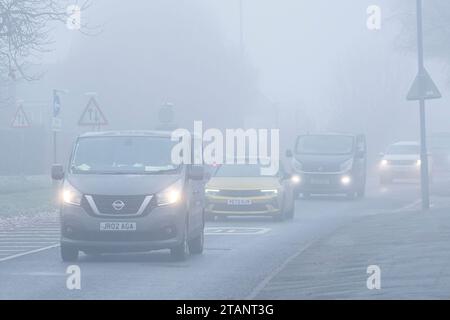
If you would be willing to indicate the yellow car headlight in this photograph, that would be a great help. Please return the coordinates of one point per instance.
(269, 192)
(212, 192)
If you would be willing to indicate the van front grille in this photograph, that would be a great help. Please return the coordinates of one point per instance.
(118, 205)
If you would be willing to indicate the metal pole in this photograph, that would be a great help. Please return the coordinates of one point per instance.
(423, 133)
(241, 26)
(54, 147)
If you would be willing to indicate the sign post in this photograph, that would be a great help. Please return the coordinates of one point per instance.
(423, 89)
(21, 121)
(56, 121)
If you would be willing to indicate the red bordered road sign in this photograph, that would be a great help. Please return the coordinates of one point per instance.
(92, 115)
(20, 119)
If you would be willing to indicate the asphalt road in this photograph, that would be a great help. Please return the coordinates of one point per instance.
(241, 255)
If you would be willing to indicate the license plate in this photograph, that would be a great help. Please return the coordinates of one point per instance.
(118, 226)
(319, 181)
(239, 202)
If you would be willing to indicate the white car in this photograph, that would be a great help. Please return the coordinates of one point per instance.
(401, 161)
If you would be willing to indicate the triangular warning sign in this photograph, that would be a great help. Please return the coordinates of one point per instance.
(92, 115)
(20, 119)
(424, 88)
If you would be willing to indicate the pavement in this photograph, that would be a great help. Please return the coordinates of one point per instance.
(323, 253)
(411, 249)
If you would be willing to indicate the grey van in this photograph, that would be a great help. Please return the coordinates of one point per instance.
(330, 163)
(122, 193)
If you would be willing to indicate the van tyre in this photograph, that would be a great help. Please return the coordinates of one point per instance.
(289, 213)
(181, 251)
(68, 253)
(196, 244)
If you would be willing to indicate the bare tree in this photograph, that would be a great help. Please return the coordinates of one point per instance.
(25, 32)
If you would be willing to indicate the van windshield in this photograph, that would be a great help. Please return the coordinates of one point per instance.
(403, 149)
(123, 155)
(325, 144)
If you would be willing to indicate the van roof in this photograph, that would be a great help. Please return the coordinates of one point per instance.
(330, 134)
(406, 143)
(129, 133)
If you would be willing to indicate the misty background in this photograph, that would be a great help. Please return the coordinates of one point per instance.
(305, 66)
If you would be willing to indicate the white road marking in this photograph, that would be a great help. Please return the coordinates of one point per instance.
(28, 252)
(30, 239)
(235, 231)
(7, 246)
(29, 242)
(254, 293)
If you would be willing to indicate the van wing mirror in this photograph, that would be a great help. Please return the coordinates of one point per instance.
(57, 172)
(196, 172)
(289, 153)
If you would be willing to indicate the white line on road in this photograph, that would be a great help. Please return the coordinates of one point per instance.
(261, 285)
(254, 293)
(29, 242)
(28, 252)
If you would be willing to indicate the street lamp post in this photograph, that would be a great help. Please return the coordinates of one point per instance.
(241, 26)
(425, 187)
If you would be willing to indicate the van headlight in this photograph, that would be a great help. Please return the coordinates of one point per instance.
(170, 195)
(70, 195)
(347, 165)
(211, 192)
(269, 192)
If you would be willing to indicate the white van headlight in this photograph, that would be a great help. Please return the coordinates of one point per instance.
(70, 195)
(347, 165)
(170, 195)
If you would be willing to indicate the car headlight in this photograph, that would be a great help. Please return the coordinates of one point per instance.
(211, 192)
(297, 165)
(269, 192)
(70, 195)
(170, 195)
(296, 179)
(347, 165)
(384, 163)
(346, 180)
(418, 163)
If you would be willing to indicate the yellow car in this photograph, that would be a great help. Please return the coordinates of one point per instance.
(240, 189)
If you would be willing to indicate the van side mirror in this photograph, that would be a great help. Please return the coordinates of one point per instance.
(57, 172)
(381, 154)
(196, 173)
(289, 153)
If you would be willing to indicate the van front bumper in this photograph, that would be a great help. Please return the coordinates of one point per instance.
(161, 228)
(326, 183)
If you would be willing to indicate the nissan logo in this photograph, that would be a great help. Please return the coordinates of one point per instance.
(118, 205)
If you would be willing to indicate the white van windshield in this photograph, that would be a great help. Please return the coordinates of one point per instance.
(325, 144)
(123, 155)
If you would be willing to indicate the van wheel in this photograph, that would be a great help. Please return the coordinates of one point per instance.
(289, 213)
(181, 251)
(68, 253)
(196, 244)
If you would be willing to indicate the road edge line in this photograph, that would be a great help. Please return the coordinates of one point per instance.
(29, 252)
(261, 285)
